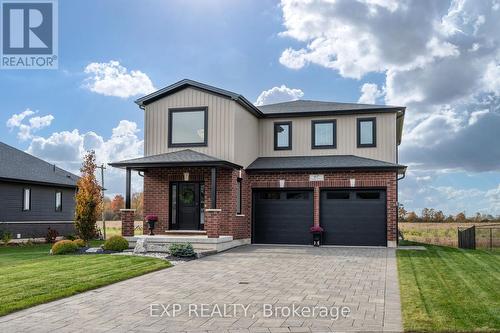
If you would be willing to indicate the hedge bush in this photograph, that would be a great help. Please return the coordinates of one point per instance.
(181, 250)
(116, 243)
(79, 242)
(64, 246)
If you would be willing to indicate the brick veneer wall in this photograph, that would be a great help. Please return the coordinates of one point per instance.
(227, 222)
(364, 179)
(217, 223)
(127, 217)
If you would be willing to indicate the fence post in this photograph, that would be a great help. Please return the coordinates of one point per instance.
(491, 239)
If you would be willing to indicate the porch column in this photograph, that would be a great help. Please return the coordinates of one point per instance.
(127, 188)
(213, 189)
(127, 217)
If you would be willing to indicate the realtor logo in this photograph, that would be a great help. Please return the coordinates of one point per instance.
(29, 34)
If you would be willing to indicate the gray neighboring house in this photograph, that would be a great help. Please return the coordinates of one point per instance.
(35, 195)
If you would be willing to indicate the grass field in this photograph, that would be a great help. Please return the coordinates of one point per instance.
(445, 233)
(450, 290)
(31, 276)
(115, 228)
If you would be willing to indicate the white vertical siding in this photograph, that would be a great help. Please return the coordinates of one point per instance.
(220, 123)
(346, 137)
(246, 143)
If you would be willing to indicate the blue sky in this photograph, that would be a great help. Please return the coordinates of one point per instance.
(443, 67)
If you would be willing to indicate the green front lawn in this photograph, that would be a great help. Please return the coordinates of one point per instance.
(445, 289)
(30, 276)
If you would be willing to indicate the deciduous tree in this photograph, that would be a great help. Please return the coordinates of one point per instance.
(88, 199)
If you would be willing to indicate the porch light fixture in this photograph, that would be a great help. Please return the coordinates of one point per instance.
(352, 182)
(282, 183)
(186, 176)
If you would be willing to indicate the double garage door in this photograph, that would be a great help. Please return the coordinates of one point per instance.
(348, 217)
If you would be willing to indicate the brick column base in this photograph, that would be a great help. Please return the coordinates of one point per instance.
(212, 222)
(127, 216)
(316, 206)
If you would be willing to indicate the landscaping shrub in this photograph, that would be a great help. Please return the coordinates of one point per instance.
(70, 237)
(79, 242)
(51, 235)
(64, 246)
(6, 237)
(116, 243)
(181, 250)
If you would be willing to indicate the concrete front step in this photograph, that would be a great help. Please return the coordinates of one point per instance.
(161, 243)
(186, 233)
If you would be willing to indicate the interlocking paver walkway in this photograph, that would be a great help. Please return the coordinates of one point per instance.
(263, 280)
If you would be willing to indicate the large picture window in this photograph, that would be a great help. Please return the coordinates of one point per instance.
(283, 136)
(324, 134)
(367, 132)
(187, 127)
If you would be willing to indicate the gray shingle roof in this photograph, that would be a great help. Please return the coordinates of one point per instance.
(145, 100)
(306, 106)
(20, 166)
(320, 162)
(185, 157)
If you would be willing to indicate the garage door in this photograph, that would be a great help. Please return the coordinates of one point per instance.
(282, 216)
(353, 217)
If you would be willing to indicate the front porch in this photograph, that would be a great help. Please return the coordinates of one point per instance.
(194, 197)
(200, 243)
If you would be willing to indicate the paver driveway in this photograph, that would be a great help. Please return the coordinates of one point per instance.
(362, 279)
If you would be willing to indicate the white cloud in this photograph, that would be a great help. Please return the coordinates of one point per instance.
(67, 148)
(370, 93)
(25, 130)
(16, 119)
(474, 116)
(279, 94)
(112, 79)
(440, 59)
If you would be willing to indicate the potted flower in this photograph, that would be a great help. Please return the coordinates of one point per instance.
(316, 231)
(151, 220)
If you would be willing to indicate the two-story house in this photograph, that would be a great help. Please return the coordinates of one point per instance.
(216, 163)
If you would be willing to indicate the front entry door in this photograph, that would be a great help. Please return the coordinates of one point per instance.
(188, 206)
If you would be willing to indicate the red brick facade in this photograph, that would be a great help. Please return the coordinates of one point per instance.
(127, 217)
(225, 221)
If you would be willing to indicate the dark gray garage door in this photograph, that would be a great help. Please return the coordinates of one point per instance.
(282, 216)
(353, 217)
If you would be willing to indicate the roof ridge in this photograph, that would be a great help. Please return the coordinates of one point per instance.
(37, 158)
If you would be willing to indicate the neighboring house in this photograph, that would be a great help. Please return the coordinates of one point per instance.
(215, 162)
(35, 195)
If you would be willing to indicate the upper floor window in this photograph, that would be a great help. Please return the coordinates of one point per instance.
(27, 199)
(283, 136)
(367, 132)
(58, 201)
(324, 134)
(187, 127)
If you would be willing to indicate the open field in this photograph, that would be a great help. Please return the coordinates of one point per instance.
(31, 276)
(449, 290)
(115, 227)
(446, 233)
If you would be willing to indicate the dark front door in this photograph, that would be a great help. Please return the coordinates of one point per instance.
(282, 216)
(353, 217)
(188, 206)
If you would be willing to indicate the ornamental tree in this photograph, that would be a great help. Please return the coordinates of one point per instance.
(88, 199)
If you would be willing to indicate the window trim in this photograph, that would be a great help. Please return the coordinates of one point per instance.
(374, 133)
(55, 208)
(239, 196)
(187, 144)
(313, 134)
(24, 197)
(275, 126)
